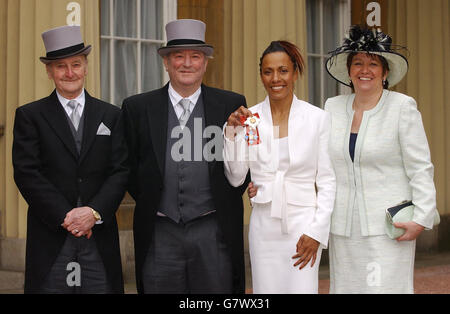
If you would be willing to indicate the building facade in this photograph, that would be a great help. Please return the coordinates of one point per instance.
(125, 35)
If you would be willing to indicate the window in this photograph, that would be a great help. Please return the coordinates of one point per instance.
(327, 22)
(131, 33)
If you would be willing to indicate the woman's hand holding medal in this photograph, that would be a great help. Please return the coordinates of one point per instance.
(243, 118)
(234, 123)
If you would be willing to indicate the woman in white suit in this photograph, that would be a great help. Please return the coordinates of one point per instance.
(290, 220)
(381, 158)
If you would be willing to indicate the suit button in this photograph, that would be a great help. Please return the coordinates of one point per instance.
(80, 180)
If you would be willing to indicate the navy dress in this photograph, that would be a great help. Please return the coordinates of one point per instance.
(353, 137)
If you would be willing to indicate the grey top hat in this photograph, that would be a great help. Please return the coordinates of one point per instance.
(186, 34)
(63, 42)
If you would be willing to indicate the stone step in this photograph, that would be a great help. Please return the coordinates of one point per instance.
(11, 281)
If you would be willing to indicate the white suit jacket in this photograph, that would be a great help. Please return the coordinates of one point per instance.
(310, 179)
(392, 163)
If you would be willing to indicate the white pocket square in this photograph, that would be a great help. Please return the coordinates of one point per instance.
(103, 130)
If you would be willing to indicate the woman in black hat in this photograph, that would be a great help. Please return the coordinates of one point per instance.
(381, 157)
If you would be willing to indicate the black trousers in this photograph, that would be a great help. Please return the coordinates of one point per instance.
(187, 257)
(78, 269)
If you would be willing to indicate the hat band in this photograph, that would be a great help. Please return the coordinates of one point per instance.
(177, 42)
(65, 51)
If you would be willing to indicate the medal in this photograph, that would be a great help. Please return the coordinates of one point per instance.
(251, 126)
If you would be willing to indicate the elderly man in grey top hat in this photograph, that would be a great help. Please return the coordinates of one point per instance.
(69, 158)
(188, 220)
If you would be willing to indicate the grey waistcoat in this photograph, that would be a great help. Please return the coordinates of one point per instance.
(77, 134)
(186, 193)
(78, 137)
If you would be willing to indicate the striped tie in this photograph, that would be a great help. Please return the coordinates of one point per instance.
(185, 103)
(75, 115)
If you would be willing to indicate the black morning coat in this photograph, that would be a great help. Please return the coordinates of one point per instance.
(145, 119)
(51, 176)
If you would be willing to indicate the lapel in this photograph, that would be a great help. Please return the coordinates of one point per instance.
(363, 127)
(296, 128)
(214, 116)
(57, 119)
(157, 114)
(93, 114)
(269, 152)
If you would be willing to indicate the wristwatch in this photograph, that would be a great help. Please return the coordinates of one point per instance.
(96, 215)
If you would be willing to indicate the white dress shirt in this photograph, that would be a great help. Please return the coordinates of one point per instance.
(81, 99)
(175, 99)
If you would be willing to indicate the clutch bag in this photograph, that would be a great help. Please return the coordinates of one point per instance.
(402, 212)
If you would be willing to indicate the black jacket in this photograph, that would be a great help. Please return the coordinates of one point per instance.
(145, 119)
(50, 175)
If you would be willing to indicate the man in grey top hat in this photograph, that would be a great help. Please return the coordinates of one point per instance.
(69, 158)
(188, 220)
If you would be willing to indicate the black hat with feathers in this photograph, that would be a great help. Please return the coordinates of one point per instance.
(364, 40)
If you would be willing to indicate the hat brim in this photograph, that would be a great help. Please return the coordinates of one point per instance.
(398, 66)
(206, 49)
(85, 51)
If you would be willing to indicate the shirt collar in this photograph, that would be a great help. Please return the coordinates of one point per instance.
(81, 99)
(175, 97)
